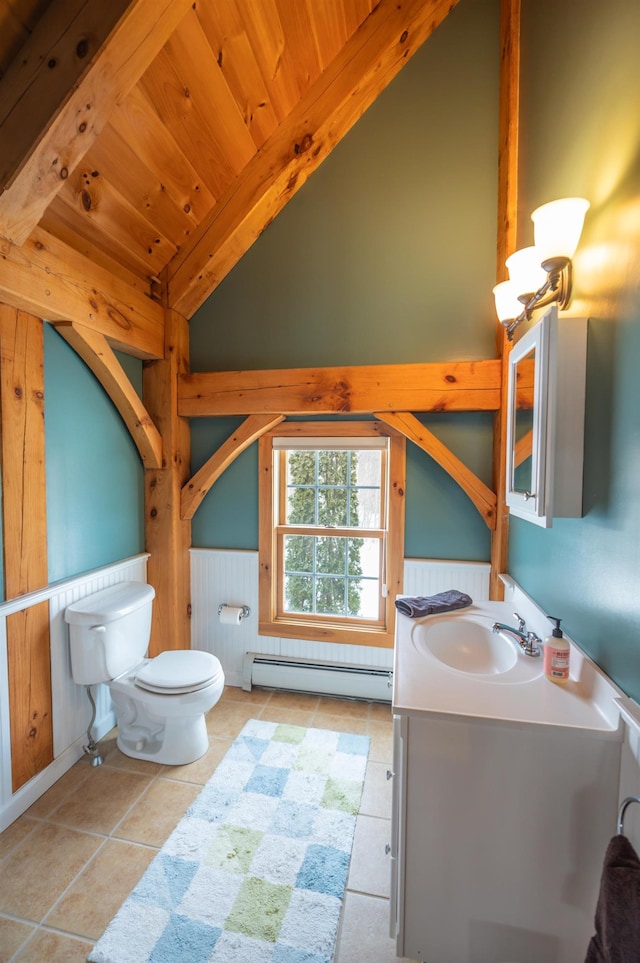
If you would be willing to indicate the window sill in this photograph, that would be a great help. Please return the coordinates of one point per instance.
(320, 632)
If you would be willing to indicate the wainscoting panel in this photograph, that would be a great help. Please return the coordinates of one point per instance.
(219, 576)
(71, 707)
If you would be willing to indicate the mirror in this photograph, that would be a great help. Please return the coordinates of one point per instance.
(545, 420)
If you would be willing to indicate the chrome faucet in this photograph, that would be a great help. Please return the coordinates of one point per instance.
(529, 642)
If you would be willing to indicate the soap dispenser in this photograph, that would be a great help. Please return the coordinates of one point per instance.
(556, 654)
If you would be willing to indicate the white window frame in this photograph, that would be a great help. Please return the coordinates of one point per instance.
(331, 435)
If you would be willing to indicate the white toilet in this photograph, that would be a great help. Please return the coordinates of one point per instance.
(160, 703)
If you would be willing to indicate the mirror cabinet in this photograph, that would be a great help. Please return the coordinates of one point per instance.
(545, 420)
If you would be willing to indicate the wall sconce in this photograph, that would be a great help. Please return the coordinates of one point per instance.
(541, 274)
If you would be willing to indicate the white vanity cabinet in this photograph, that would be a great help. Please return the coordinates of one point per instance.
(545, 420)
(499, 833)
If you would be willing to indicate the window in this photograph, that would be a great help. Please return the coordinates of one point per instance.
(331, 531)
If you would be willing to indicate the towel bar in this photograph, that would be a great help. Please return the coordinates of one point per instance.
(623, 808)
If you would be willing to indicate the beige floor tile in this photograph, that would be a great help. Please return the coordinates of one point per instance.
(68, 785)
(293, 700)
(12, 936)
(118, 760)
(15, 833)
(352, 708)
(37, 872)
(226, 719)
(97, 894)
(289, 717)
(54, 948)
(233, 693)
(364, 934)
(381, 712)
(381, 735)
(157, 813)
(202, 769)
(376, 795)
(105, 799)
(370, 869)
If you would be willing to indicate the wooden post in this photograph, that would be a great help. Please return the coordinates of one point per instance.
(507, 237)
(25, 541)
(167, 536)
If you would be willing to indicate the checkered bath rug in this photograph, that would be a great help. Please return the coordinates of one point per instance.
(255, 872)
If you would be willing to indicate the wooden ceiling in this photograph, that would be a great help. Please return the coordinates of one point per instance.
(155, 140)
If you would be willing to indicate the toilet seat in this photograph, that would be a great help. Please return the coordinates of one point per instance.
(176, 672)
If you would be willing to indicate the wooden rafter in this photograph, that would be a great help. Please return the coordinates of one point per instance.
(481, 496)
(94, 350)
(452, 386)
(249, 431)
(54, 282)
(80, 61)
(368, 62)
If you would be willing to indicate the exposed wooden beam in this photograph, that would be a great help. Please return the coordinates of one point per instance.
(249, 431)
(509, 121)
(81, 60)
(479, 493)
(94, 350)
(368, 62)
(450, 386)
(49, 279)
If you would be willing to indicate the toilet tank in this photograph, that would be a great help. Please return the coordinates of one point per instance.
(109, 631)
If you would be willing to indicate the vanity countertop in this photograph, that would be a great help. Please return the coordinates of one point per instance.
(423, 684)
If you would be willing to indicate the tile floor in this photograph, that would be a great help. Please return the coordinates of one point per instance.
(68, 863)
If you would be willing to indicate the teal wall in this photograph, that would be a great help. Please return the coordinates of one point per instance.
(95, 492)
(580, 135)
(386, 255)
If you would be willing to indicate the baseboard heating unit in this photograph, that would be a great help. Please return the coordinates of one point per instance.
(323, 678)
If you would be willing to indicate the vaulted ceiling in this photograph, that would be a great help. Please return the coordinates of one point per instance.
(151, 142)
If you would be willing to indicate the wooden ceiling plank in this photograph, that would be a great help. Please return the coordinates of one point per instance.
(55, 282)
(234, 55)
(15, 27)
(329, 28)
(298, 27)
(450, 386)
(163, 87)
(56, 146)
(94, 350)
(367, 63)
(141, 189)
(122, 228)
(266, 36)
(201, 75)
(136, 121)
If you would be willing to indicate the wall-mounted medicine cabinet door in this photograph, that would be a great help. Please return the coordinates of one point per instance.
(545, 420)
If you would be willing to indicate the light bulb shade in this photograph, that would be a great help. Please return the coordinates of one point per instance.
(525, 270)
(507, 305)
(557, 227)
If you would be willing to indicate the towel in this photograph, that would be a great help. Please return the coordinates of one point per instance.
(421, 605)
(617, 920)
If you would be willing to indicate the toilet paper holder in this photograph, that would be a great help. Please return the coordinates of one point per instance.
(246, 611)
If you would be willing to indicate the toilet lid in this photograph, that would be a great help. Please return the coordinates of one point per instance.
(185, 670)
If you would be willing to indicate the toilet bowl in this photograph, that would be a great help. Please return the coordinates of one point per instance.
(160, 703)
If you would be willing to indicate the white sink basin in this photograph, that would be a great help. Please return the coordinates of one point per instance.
(466, 643)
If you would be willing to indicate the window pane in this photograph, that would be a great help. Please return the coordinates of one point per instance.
(330, 594)
(333, 467)
(365, 508)
(332, 506)
(301, 506)
(298, 593)
(301, 467)
(331, 556)
(298, 553)
(364, 598)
